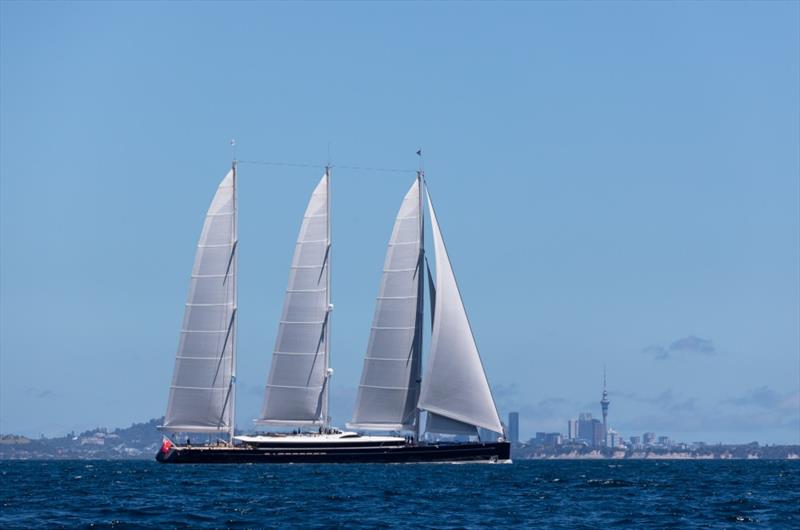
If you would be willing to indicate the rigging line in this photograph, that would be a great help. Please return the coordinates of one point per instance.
(385, 169)
(357, 168)
(269, 163)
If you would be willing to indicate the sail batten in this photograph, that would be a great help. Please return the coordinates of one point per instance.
(199, 397)
(389, 387)
(455, 390)
(295, 392)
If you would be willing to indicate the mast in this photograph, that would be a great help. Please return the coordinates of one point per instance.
(328, 305)
(420, 300)
(234, 251)
(604, 405)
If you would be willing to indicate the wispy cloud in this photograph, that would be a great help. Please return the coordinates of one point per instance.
(690, 345)
(664, 398)
(666, 401)
(41, 393)
(766, 398)
(549, 414)
(685, 405)
(755, 410)
(550, 408)
(505, 392)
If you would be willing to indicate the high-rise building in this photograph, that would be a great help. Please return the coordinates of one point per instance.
(649, 438)
(604, 402)
(598, 433)
(590, 430)
(513, 427)
(572, 430)
(613, 438)
(585, 428)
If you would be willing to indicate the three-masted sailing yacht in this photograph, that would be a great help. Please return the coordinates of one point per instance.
(452, 397)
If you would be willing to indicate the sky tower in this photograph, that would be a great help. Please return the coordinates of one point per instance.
(604, 403)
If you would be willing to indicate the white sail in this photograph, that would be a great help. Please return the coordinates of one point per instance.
(454, 387)
(389, 388)
(201, 394)
(296, 387)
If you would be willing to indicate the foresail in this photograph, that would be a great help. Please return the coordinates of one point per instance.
(389, 388)
(200, 397)
(455, 385)
(296, 386)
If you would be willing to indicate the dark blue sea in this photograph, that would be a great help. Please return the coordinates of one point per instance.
(544, 494)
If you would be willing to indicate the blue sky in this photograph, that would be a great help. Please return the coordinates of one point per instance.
(617, 184)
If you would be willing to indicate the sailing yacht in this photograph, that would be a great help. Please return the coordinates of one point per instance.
(408, 408)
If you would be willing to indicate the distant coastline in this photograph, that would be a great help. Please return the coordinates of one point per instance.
(140, 441)
(137, 442)
(751, 451)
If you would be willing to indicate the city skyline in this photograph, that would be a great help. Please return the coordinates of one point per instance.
(598, 434)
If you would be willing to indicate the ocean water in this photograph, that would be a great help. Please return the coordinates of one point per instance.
(542, 494)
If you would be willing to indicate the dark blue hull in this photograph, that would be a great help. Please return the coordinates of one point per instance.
(329, 454)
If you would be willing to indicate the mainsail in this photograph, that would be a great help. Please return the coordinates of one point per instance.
(389, 388)
(201, 395)
(296, 391)
(455, 391)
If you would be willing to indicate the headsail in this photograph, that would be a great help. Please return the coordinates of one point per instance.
(455, 391)
(296, 391)
(201, 394)
(389, 388)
